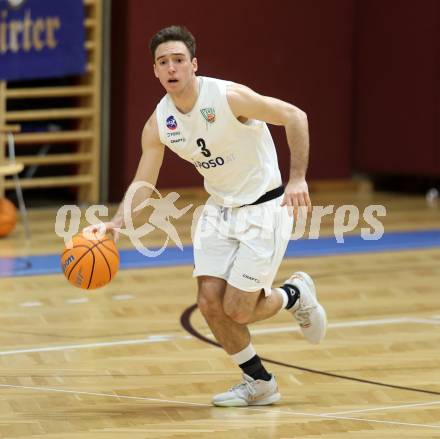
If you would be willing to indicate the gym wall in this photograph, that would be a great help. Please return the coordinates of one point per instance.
(297, 51)
(365, 71)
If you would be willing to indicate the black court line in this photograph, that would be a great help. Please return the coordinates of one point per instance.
(185, 321)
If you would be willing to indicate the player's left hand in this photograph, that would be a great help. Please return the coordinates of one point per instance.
(296, 196)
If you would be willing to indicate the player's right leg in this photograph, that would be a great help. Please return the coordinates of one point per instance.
(214, 253)
(259, 387)
(231, 335)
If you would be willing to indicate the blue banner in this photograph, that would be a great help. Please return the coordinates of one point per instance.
(41, 39)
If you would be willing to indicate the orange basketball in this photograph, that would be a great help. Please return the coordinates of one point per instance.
(90, 263)
(8, 217)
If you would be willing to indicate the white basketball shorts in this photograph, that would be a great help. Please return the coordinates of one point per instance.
(242, 245)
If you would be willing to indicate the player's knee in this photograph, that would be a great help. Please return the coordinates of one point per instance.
(207, 304)
(209, 301)
(239, 314)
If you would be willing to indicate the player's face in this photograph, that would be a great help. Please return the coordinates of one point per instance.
(173, 66)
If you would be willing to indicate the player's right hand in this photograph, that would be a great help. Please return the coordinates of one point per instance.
(99, 230)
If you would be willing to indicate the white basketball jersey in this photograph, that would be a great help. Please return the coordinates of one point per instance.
(238, 161)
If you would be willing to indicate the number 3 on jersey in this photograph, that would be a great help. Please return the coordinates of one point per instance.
(205, 151)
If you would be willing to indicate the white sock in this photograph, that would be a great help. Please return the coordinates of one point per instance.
(284, 296)
(245, 355)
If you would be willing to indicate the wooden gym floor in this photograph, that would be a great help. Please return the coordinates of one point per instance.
(118, 362)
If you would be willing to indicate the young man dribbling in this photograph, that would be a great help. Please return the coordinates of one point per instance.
(243, 232)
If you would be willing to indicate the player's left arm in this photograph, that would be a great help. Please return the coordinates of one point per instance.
(247, 104)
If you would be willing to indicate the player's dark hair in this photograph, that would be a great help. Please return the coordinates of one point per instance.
(174, 33)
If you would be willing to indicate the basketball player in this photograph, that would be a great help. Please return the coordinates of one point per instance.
(220, 127)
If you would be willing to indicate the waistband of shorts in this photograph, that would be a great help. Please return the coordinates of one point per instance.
(270, 195)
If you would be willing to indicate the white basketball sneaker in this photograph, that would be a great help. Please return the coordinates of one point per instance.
(307, 310)
(249, 392)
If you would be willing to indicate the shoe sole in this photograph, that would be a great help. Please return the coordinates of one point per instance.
(268, 401)
(240, 403)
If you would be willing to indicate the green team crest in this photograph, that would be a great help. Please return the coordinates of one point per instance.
(208, 114)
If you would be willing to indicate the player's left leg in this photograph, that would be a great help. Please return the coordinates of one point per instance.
(259, 387)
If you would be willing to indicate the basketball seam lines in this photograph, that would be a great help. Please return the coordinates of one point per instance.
(105, 259)
(76, 246)
(93, 269)
(82, 245)
(109, 249)
(90, 249)
(108, 265)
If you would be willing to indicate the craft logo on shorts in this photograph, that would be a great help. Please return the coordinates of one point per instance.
(171, 123)
(208, 114)
(251, 278)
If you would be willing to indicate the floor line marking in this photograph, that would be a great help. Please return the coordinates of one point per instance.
(122, 296)
(31, 304)
(168, 337)
(171, 401)
(77, 300)
(351, 324)
(151, 339)
(392, 407)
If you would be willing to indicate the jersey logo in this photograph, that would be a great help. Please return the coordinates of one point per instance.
(171, 123)
(208, 114)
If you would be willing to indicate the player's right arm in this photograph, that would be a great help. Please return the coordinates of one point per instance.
(147, 171)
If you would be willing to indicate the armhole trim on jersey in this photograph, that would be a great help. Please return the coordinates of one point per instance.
(159, 129)
(223, 93)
